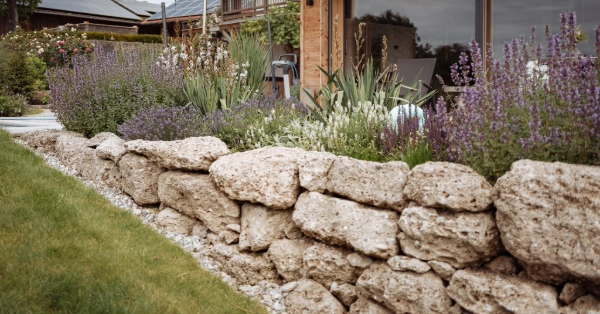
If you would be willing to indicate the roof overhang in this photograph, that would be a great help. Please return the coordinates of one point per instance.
(86, 16)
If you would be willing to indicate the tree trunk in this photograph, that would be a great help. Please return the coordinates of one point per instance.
(12, 18)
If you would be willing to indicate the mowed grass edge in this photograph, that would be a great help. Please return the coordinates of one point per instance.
(65, 249)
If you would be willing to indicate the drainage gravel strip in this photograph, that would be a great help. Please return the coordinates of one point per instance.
(267, 293)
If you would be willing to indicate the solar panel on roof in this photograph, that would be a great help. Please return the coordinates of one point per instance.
(184, 8)
(95, 7)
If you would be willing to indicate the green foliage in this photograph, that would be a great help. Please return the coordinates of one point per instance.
(229, 76)
(380, 88)
(66, 249)
(415, 154)
(24, 9)
(285, 25)
(13, 105)
(38, 69)
(17, 73)
(140, 38)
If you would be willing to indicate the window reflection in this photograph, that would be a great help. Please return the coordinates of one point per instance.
(513, 18)
(414, 29)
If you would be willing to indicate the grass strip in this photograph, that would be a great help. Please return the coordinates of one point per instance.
(65, 249)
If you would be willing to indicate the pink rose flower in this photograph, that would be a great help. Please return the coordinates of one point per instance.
(75, 50)
(62, 51)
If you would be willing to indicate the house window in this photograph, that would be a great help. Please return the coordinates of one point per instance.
(414, 29)
(512, 18)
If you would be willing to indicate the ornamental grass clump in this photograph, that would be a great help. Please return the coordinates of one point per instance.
(164, 124)
(532, 105)
(96, 95)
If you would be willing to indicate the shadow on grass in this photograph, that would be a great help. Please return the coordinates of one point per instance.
(65, 249)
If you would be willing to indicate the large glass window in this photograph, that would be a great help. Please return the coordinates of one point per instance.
(414, 29)
(513, 18)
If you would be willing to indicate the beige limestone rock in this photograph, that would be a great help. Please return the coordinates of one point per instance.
(229, 236)
(222, 252)
(174, 221)
(404, 292)
(584, 305)
(195, 195)
(549, 218)
(359, 260)
(262, 225)
(442, 269)
(346, 293)
(373, 183)
(43, 140)
(313, 168)
(200, 230)
(266, 175)
(503, 264)
(287, 257)
(326, 264)
(480, 291)
(111, 149)
(99, 138)
(250, 269)
(70, 149)
(367, 306)
(448, 185)
(571, 292)
(334, 221)
(139, 178)
(193, 153)
(405, 263)
(312, 298)
(461, 239)
(234, 227)
(292, 231)
(100, 171)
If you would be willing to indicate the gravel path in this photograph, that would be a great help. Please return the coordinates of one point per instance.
(267, 293)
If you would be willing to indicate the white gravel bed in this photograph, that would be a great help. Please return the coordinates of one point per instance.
(267, 293)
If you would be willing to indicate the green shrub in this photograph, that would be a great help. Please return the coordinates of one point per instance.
(13, 105)
(38, 71)
(140, 38)
(17, 74)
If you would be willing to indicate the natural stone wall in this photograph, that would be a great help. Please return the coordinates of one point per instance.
(349, 236)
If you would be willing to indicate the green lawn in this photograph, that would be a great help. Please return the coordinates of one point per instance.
(65, 249)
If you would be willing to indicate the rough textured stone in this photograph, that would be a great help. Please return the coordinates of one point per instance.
(234, 227)
(373, 183)
(448, 185)
(312, 298)
(100, 138)
(456, 309)
(326, 264)
(549, 218)
(313, 168)
(193, 153)
(359, 260)
(404, 292)
(486, 292)
(250, 269)
(229, 236)
(459, 238)
(345, 293)
(98, 170)
(367, 306)
(139, 178)
(43, 140)
(585, 305)
(70, 149)
(196, 195)
(442, 269)
(287, 257)
(111, 149)
(503, 264)
(200, 230)
(174, 221)
(571, 292)
(368, 230)
(262, 225)
(405, 263)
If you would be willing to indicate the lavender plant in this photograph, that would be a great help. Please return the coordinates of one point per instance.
(164, 124)
(534, 105)
(99, 94)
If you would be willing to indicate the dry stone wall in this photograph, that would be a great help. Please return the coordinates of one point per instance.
(350, 236)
